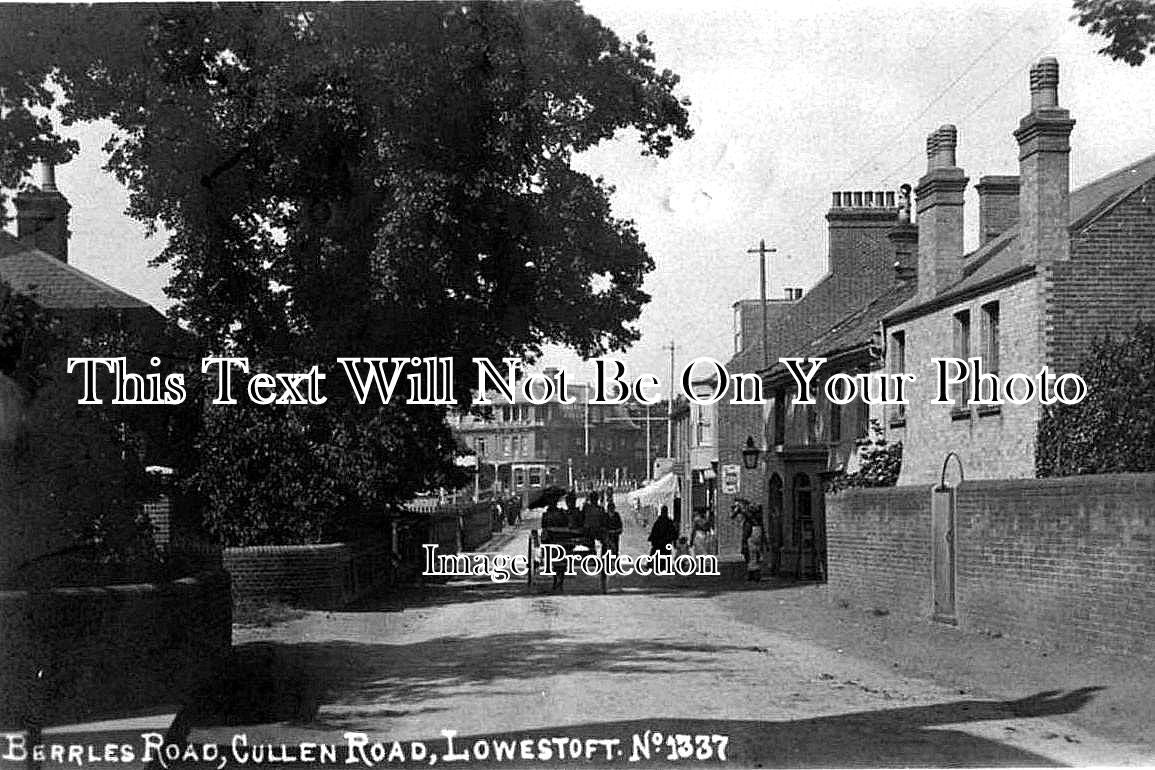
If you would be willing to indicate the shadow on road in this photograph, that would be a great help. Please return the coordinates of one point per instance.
(912, 736)
(484, 590)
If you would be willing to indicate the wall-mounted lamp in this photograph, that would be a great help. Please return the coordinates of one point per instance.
(750, 454)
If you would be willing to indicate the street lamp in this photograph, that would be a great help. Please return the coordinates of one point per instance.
(750, 454)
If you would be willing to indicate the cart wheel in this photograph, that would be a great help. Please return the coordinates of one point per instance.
(530, 556)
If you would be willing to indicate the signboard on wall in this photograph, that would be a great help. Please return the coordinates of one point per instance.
(730, 476)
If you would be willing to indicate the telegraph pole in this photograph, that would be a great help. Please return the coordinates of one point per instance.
(762, 251)
(670, 405)
(649, 462)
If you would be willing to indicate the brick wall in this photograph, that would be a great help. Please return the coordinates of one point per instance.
(735, 423)
(1109, 283)
(323, 576)
(1069, 561)
(107, 650)
(878, 547)
(994, 444)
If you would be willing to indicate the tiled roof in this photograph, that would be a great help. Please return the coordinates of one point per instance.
(854, 330)
(857, 328)
(1002, 256)
(56, 285)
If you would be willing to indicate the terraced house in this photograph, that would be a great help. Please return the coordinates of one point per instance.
(1055, 270)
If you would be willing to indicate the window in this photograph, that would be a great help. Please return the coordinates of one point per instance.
(506, 414)
(898, 366)
(505, 445)
(835, 423)
(962, 349)
(990, 351)
(737, 329)
(811, 415)
(479, 445)
(780, 417)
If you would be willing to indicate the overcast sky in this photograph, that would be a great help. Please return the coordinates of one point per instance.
(789, 102)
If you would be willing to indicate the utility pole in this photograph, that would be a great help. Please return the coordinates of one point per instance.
(649, 462)
(762, 251)
(670, 405)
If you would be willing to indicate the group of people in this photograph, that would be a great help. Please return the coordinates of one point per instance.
(601, 523)
(597, 523)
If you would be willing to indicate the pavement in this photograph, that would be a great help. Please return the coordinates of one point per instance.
(674, 670)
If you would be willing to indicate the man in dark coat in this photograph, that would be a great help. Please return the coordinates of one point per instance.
(663, 534)
(594, 520)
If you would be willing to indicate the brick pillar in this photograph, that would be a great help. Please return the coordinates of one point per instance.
(1044, 169)
(998, 205)
(940, 215)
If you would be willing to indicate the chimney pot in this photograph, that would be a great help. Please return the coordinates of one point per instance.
(47, 176)
(1045, 83)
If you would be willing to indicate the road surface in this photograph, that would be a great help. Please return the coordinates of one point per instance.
(652, 661)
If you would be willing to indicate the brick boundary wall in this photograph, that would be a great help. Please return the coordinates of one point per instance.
(878, 547)
(171, 637)
(1068, 561)
(322, 576)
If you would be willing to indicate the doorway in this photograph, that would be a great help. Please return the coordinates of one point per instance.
(943, 502)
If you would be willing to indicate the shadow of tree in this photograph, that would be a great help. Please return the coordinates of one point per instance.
(899, 737)
(484, 590)
(283, 683)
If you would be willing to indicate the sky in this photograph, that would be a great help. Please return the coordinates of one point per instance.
(789, 102)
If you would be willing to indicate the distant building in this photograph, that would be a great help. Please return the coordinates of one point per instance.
(525, 446)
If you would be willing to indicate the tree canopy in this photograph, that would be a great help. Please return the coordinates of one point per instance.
(1128, 25)
(361, 177)
(382, 179)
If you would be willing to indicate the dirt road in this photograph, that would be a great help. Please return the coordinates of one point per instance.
(677, 656)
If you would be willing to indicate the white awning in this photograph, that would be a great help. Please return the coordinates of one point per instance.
(660, 492)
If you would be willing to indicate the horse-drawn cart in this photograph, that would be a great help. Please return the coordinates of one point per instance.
(572, 541)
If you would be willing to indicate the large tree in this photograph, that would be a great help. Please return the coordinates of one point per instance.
(1128, 25)
(345, 179)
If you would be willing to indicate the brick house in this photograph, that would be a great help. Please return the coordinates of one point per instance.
(871, 272)
(1054, 270)
(34, 263)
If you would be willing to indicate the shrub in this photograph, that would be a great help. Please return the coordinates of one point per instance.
(1113, 429)
(880, 462)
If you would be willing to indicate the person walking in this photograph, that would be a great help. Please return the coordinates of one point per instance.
(753, 536)
(700, 533)
(614, 526)
(594, 521)
(663, 534)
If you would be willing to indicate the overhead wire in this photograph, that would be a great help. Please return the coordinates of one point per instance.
(943, 92)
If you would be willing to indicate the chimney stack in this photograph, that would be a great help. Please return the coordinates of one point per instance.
(998, 205)
(857, 224)
(1044, 169)
(904, 238)
(940, 215)
(42, 215)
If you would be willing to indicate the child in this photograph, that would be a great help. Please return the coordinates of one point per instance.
(683, 547)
